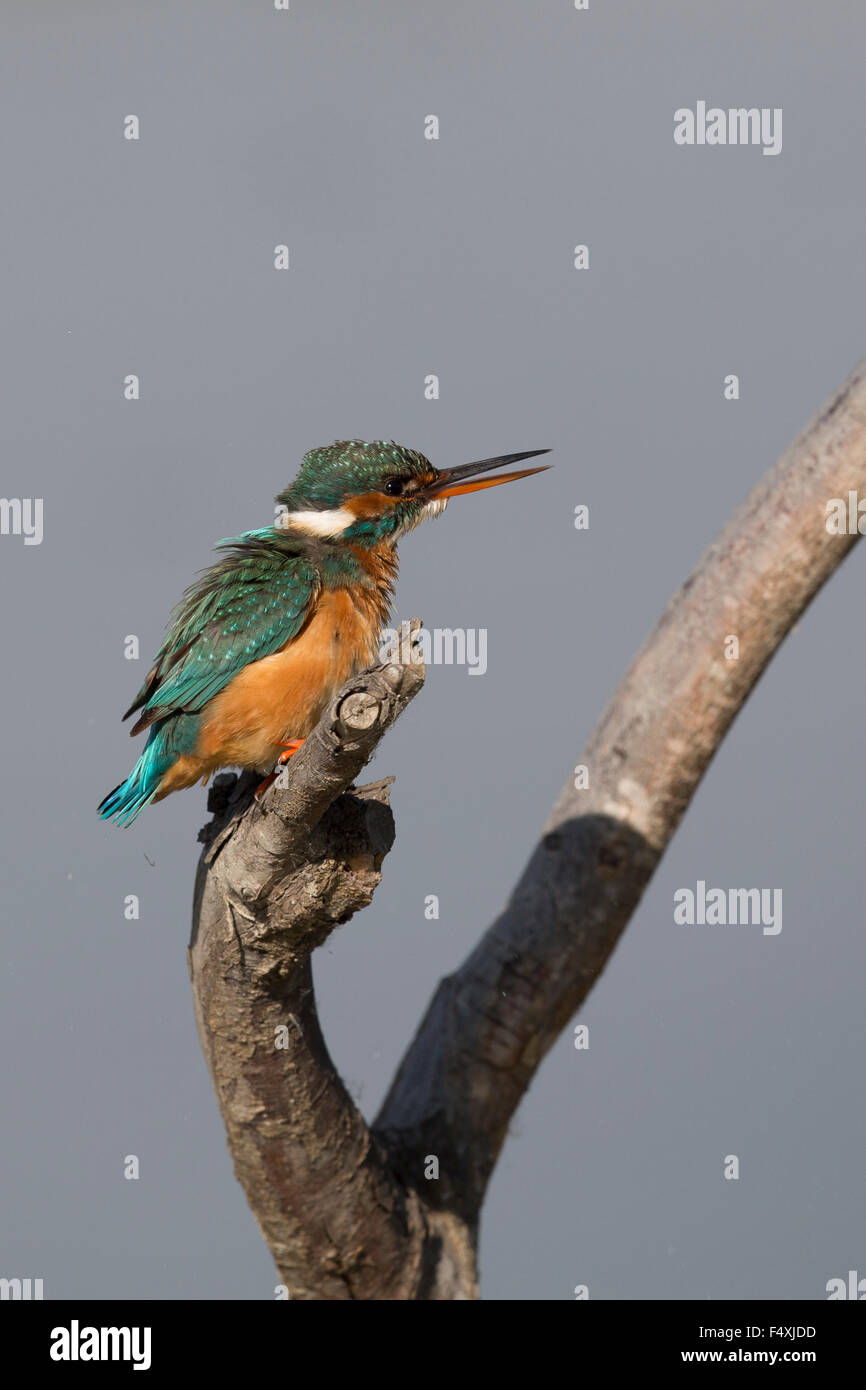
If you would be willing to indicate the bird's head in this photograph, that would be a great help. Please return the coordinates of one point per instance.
(368, 493)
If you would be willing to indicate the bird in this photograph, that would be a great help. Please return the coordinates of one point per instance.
(262, 640)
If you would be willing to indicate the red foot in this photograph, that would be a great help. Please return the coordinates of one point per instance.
(289, 750)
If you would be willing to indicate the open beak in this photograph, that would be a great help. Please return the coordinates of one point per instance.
(453, 482)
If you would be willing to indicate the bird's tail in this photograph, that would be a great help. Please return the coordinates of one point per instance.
(124, 803)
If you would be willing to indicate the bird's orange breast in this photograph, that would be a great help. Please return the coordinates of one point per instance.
(283, 696)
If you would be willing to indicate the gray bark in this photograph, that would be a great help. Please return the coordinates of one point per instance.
(345, 1207)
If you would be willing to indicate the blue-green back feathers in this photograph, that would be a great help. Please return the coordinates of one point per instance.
(243, 608)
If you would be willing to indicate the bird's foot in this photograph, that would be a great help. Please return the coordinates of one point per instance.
(289, 750)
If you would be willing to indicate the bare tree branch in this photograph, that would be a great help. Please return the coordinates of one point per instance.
(346, 1210)
(490, 1024)
(273, 883)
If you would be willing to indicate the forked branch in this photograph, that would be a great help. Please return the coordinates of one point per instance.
(346, 1208)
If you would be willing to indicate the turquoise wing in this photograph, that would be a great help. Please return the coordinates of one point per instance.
(246, 606)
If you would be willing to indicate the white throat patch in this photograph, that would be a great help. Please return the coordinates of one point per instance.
(434, 508)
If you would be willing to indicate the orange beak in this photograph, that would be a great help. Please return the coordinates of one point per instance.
(454, 482)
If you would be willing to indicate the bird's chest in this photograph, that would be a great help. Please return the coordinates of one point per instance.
(283, 696)
(341, 638)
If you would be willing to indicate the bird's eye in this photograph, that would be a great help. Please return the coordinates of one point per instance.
(394, 487)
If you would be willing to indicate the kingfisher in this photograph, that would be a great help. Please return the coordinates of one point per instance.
(262, 641)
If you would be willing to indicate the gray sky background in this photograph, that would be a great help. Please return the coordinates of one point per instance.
(411, 257)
